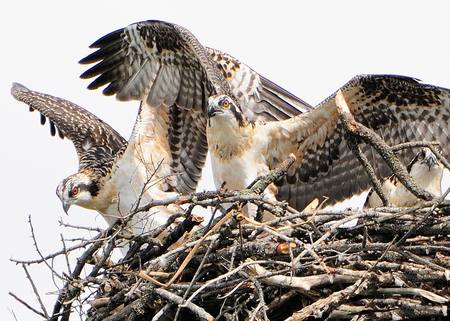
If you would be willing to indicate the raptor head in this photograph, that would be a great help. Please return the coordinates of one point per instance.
(78, 189)
(226, 108)
(425, 168)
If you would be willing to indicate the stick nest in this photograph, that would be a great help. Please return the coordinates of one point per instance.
(391, 264)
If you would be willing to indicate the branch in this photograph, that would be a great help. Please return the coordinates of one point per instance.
(317, 309)
(262, 182)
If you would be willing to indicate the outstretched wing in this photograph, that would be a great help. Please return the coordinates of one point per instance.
(95, 141)
(259, 98)
(399, 109)
(163, 64)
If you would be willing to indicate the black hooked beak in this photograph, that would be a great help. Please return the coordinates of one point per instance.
(66, 207)
(430, 161)
(213, 110)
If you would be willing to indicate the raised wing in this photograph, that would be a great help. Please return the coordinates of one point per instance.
(260, 99)
(163, 64)
(95, 141)
(400, 109)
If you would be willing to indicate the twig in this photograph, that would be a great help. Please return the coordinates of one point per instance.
(226, 275)
(194, 279)
(66, 254)
(162, 312)
(319, 307)
(304, 283)
(52, 256)
(199, 312)
(264, 181)
(39, 251)
(43, 315)
(416, 226)
(193, 251)
(414, 292)
(36, 292)
(351, 143)
(261, 305)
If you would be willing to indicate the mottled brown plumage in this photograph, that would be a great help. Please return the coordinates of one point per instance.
(163, 64)
(399, 108)
(113, 173)
(97, 144)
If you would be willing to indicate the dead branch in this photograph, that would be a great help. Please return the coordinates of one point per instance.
(337, 298)
(29, 307)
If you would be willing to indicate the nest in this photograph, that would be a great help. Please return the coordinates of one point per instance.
(391, 264)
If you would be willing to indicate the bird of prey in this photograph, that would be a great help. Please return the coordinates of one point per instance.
(113, 175)
(399, 109)
(165, 67)
(424, 169)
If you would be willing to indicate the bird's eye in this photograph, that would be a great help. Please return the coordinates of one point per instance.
(226, 104)
(75, 191)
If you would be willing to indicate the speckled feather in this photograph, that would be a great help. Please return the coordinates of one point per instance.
(399, 108)
(97, 144)
(113, 172)
(164, 64)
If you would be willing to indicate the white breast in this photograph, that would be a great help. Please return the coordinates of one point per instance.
(133, 184)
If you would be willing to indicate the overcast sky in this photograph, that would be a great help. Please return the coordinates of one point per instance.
(310, 48)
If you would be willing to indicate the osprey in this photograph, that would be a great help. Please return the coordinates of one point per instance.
(114, 175)
(400, 109)
(165, 67)
(424, 169)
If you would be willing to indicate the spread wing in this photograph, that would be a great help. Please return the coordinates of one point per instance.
(96, 143)
(162, 64)
(259, 98)
(400, 109)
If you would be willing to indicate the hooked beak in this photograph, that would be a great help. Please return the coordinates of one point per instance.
(430, 161)
(213, 110)
(66, 207)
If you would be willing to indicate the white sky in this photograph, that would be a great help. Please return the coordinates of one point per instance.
(310, 48)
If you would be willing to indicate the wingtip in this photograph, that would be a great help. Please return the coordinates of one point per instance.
(18, 87)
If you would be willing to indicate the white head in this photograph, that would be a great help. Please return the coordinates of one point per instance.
(78, 189)
(225, 108)
(427, 171)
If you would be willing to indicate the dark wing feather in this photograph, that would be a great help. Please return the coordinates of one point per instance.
(164, 64)
(260, 99)
(95, 141)
(400, 109)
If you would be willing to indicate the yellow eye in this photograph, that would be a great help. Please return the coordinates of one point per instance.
(75, 191)
(226, 104)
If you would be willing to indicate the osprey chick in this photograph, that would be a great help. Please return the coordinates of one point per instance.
(424, 169)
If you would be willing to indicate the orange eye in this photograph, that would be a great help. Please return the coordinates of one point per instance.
(75, 191)
(226, 103)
